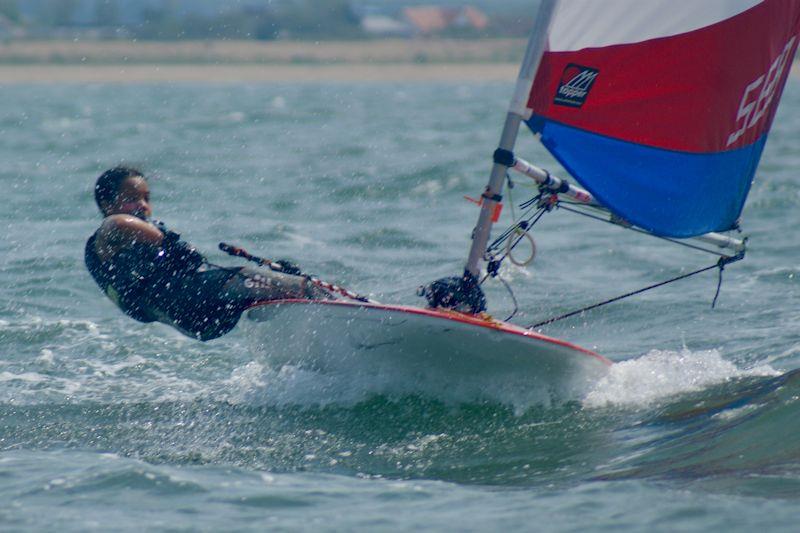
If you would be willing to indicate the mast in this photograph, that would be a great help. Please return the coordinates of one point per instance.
(516, 114)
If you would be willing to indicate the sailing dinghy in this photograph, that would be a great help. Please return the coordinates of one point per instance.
(659, 113)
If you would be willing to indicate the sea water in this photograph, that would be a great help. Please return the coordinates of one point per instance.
(106, 423)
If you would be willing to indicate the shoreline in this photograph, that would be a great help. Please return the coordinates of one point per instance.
(221, 52)
(249, 73)
(390, 60)
(346, 69)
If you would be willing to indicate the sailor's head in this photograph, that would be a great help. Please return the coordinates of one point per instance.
(123, 190)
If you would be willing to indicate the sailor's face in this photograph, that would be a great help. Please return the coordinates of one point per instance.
(133, 198)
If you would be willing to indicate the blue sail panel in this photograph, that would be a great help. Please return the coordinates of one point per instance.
(648, 186)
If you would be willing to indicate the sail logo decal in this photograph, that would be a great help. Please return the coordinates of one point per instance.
(758, 95)
(576, 82)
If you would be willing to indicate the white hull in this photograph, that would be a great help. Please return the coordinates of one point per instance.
(429, 347)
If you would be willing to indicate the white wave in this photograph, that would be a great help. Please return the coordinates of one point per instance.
(434, 187)
(69, 366)
(235, 117)
(787, 271)
(29, 377)
(789, 353)
(111, 369)
(427, 188)
(511, 272)
(80, 330)
(289, 385)
(662, 373)
(46, 357)
(279, 102)
(27, 388)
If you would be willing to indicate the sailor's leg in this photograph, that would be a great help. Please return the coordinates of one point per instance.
(208, 304)
(194, 304)
(251, 285)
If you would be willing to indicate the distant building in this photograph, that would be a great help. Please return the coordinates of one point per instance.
(428, 20)
(385, 26)
(472, 18)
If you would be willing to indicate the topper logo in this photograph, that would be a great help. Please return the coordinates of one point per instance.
(576, 81)
(752, 108)
(258, 282)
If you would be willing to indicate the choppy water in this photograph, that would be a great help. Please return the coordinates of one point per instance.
(108, 423)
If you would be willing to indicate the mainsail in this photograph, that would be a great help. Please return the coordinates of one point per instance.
(661, 109)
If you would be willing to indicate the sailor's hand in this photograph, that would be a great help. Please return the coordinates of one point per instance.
(288, 267)
(458, 293)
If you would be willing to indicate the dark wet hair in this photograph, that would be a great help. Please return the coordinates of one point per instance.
(107, 185)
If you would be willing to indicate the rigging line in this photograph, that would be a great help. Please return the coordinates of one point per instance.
(719, 285)
(524, 232)
(510, 197)
(513, 299)
(532, 201)
(532, 220)
(638, 230)
(488, 256)
(506, 235)
(511, 229)
(719, 264)
(277, 266)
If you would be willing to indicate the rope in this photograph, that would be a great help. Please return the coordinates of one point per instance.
(520, 229)
(511, 245)
(719, 264)
(513, 299)
(510, 196)
(561, 205)
(719, 283)
(278, 267)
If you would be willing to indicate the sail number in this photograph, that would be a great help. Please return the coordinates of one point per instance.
(752, 108)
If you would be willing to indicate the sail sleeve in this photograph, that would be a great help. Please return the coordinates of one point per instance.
(661, 109)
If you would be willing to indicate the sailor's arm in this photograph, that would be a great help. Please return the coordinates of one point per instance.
(122, 231)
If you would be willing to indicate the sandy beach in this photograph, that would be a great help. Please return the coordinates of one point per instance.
(261, 52)
(255, 61)
(392, 60)
(357, 72)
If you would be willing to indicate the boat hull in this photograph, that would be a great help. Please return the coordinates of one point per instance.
(425, 346)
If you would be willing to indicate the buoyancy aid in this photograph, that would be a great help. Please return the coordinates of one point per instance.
(173, 284)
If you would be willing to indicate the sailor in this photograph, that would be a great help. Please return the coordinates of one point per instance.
(151, 274)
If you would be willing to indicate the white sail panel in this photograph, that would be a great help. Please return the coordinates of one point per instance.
(593, 23)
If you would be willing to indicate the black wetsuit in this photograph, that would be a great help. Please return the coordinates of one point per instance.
(175, 284)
